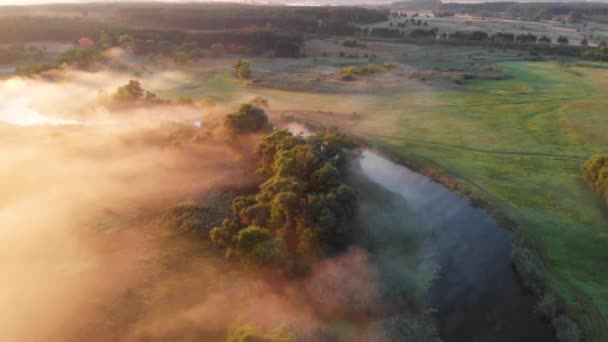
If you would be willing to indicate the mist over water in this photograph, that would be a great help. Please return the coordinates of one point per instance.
(477, 296)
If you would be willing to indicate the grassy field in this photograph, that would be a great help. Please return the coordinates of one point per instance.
(518, 142)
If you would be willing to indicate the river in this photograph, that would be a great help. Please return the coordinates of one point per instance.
(477, 296)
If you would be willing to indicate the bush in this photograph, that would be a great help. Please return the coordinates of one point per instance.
(348, 73)
(566, 329)
(242, 69)
(595, 171)
(548, 305)
(530, 268)
(350, 42)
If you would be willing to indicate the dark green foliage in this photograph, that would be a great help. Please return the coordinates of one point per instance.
(595, 171)
(562, 40)
(133, 93)
(258, 246)
(302, 210)
(80, 58)
(130, 92)
(248, 118)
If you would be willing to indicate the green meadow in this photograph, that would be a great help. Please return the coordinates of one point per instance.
(519, 144)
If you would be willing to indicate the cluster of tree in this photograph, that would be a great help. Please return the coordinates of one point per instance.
(413, 21)
(249, 118)
(595, 171)
(597, 54)
(502, 37)
(383, 32)
(179, 45)
(133, 93)
(76, 58)
(242, 69)
(303, 208)
(422, 33)
(348, 73)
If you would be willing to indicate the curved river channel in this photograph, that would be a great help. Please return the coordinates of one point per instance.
(477, 296)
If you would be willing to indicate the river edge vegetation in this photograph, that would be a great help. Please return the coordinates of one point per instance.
(526, 81)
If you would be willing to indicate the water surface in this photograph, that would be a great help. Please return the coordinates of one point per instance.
(477, 296)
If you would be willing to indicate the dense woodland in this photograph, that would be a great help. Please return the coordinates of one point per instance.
(302, 210)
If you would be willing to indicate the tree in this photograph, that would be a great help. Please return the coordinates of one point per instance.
(130, 92)
(584, 42)
(242, 69)
(249, 118)
(563, 40)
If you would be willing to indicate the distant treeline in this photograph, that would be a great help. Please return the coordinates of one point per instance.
(534, 11)
(537, 45)
(66, 22)
(330, 20)
(16, 30)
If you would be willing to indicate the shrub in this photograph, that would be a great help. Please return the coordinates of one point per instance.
(530, 268)
(242, 69)
(350, 42)
(566, 330)
(548, 305)
(596, 173)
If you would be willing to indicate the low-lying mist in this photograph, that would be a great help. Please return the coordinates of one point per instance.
(85, 256)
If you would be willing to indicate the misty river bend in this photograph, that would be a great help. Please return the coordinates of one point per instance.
(477, 296)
